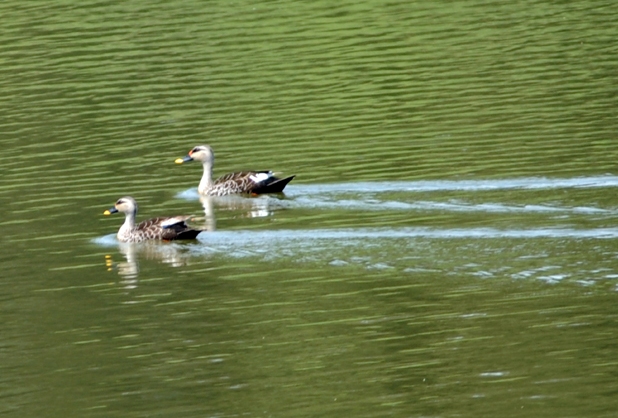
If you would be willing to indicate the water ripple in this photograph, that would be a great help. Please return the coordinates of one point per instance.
(529, 183)
(362, 195)
(257, 239)
(253, 238)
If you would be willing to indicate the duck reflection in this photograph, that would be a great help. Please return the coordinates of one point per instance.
(251, 207)
(175, 255)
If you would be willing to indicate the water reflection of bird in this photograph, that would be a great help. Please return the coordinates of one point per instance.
(253, 182)
(167, 253)
(251, 208)
(161, 228)
(128, 270)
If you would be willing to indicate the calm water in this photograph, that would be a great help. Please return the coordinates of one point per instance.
(449, 247)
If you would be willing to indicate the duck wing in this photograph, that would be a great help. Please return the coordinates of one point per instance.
(272, 185)
(167, 228)
(256, 182)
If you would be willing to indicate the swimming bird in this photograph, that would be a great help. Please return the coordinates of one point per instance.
(161, 228)
(253, 182)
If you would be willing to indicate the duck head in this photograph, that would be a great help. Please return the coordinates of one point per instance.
(201, 153)
(125, 205)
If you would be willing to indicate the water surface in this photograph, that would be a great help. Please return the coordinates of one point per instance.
(447, 248)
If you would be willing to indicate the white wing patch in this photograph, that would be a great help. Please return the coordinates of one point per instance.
(171, 221)
(259, 177)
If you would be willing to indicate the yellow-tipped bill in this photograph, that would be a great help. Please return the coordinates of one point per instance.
(110, 211)
(185, 159)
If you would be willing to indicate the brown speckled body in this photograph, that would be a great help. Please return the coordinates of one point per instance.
(242, 182)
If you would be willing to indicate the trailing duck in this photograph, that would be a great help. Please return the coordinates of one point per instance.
(251, 182)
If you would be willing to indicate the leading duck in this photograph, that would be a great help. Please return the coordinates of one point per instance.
(161, 228)
(252, 182)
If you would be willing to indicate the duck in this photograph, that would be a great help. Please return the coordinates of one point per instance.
(161, 228)
(240, 182)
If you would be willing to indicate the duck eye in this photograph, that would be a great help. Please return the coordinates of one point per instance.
(120, 202)
(195, 150)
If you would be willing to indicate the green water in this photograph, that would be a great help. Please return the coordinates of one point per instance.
(448, 247)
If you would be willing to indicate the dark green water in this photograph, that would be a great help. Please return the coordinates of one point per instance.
(447, 249)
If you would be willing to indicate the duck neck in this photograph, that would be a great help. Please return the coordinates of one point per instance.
(206, 181)
(129, 224)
